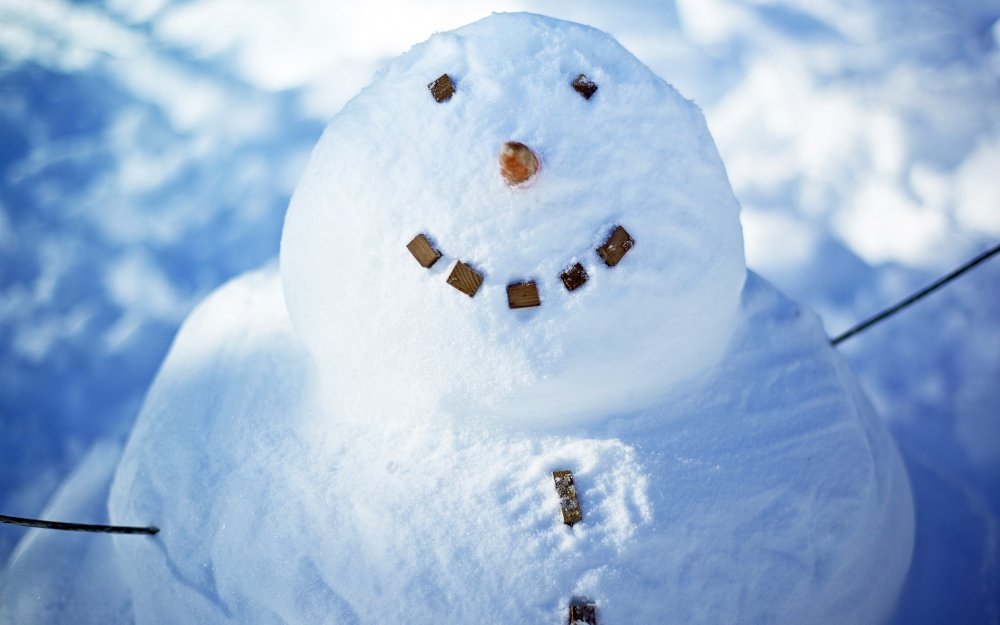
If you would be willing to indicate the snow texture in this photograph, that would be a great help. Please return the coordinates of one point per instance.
(755, 484)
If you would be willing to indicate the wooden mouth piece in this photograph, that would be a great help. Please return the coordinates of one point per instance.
(521, 294)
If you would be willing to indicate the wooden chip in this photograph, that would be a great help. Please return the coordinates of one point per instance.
(422, 250)
(574, 277)
(568, 502)
(465, 279)
(616, 246)
(442, 89)
(584, 86)
(517, 162)
(523, 295)
(586, 613)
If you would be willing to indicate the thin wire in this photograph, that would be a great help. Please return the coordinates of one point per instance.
(79, 527)
(919, 294)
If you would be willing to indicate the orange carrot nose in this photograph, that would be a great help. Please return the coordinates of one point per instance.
(517, 162)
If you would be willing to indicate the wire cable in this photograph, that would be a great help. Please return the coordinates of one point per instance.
(937, 284)
(79, 527)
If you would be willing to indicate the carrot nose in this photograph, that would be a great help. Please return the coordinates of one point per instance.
(517, 162)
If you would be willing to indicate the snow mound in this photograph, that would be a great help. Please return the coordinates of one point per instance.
(763, 490)
(396, 163)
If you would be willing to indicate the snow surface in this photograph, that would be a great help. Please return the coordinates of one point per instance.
(758, 485)
(395, 163)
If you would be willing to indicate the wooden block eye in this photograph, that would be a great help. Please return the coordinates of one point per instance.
(584, 86)
(523, 295)
(586, 613)
(616, 246)
(568, 502)
(422, 250)
(465, 279)
(442, 89)
(574, 277)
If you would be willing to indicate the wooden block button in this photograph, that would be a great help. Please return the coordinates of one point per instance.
(584, 86)
(522, 295)
(585, 613)
(574, 277)
(465, 279)
(442, 89)
(422, 250)
(616, 246)
(568, 502)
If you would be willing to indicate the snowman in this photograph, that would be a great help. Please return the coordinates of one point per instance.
(512, 369)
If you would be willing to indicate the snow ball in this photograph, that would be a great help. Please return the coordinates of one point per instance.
(393, 338)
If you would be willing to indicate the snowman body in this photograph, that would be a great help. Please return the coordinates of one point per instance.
(366, 438)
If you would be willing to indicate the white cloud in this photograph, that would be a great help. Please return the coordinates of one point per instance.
(713, 22)
(774, 242)
(330, 49)
(136, 283)
(61, 35)
(978, 189)
(883, 224)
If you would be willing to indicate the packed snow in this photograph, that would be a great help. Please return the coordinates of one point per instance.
(384, 452)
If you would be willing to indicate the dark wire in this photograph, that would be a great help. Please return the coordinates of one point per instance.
(79, 527)
(919, 294)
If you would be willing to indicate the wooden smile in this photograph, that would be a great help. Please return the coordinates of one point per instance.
(521, 294)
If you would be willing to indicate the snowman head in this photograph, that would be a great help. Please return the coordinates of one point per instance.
(517, 220)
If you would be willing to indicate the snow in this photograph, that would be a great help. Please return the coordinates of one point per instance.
(395, 163)
(754, 483)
